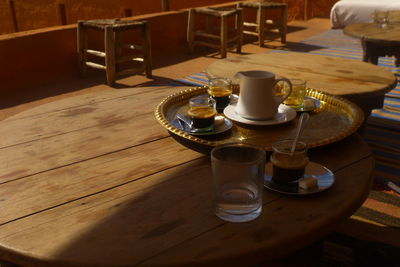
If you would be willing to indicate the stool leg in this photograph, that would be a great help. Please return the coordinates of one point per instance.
(224, 35)
(190, 30)
(147, 50)
(118, 49)
(82, 44)
(261, 25)
(110, 55)
(283, 27)
(239, 27)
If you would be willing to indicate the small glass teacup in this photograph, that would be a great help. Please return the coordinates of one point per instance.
(202, 113)
(220, 89)
(296, 97)
(288, 167)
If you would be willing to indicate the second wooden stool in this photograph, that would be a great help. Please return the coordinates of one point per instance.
(264, 22)
(208, 37)
(113, 57)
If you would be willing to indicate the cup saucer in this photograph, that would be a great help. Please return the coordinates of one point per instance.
(285, 114)
(324, 176)
(222, 124)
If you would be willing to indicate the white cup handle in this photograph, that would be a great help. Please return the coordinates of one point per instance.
(290, 88)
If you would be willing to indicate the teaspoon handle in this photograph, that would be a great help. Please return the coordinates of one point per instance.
(302, 123)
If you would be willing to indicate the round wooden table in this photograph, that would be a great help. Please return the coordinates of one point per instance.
(94, 180)
(377, 41)
(360, 82)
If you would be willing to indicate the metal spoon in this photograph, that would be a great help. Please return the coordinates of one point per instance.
(184, 121)
(302, 123)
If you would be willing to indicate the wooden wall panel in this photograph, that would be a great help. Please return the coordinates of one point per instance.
(46, 13)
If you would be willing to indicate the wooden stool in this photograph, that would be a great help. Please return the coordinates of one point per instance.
(264, 22)
(113, 47)
(207, 37)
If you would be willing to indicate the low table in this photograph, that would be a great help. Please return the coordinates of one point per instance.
(360, 82)
(377, 41)
(94, 180)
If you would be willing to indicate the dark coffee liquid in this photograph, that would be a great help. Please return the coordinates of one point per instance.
(221, 102)
(201, 123)
(221, 96)
(202, 117)
(285, 175)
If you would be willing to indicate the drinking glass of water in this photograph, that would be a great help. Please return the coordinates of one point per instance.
(381, 18)
(238, 172)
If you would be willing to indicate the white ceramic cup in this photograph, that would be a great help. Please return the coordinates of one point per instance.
(258, 99)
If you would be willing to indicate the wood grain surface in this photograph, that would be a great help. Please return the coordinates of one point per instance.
(373, 33)
(94, 180)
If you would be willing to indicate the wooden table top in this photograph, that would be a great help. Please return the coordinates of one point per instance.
(371, 32)
(95, 180)
(334, 75)
(364, 84)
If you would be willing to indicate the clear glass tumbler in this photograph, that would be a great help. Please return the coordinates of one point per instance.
(381, 18)
(238, 171)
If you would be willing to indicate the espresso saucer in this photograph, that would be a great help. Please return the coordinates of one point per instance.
(285, 114)
(222, 124)
(324, 176)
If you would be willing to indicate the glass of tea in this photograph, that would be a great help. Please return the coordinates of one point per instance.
(220, 89)
(202, 112)
(296, 97)
(288, 167)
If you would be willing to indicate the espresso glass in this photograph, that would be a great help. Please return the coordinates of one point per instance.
(288, 167)
(220, 89)
(202, 112)
(296, 97)
(238, 172)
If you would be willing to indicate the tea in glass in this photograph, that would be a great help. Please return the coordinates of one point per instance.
(296, 98)
(202, 112)
(220, 89)
(288, 167)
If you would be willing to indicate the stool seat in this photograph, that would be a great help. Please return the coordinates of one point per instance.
(256, 4)
(264, 22)
(113, 55)
(205, 35)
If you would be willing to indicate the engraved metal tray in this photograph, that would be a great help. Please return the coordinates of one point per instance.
(334, 119)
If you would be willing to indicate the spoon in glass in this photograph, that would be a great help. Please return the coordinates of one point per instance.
(302, 123)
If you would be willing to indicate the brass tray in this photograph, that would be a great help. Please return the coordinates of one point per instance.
(335, 119)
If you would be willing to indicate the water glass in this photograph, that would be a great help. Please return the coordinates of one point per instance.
(238, 172)
(381, 18)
